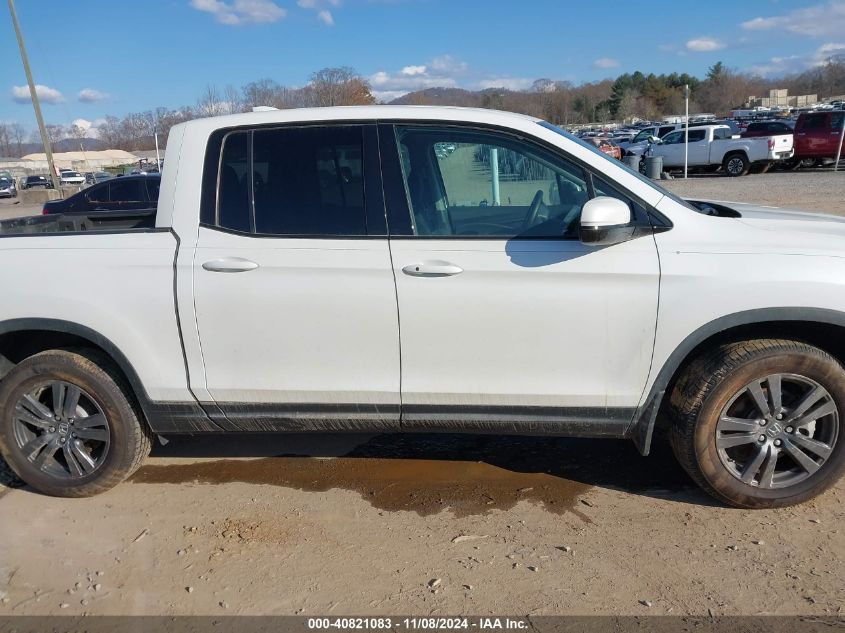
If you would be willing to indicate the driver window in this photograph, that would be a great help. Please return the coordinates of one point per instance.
(483, 184)
(672, 139)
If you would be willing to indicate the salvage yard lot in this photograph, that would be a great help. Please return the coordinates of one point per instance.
(390, 524)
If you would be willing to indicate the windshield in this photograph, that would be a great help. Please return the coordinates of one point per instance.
(617, 163)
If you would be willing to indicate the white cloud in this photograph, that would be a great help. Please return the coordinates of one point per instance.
(777, 66)
(324, 15)
(704, 45)
(508, 83)
(413, 70)
(240, 12)
(45, 94)
(441, 72)
(828, 51)
(821, 20)
(89, 95)
(606, 62)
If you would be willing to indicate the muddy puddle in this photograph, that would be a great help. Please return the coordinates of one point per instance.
(424, 486)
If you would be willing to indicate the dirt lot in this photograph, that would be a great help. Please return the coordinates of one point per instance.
(390, 524)
(820, 190)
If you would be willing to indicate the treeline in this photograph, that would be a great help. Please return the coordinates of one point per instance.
(629, 95)
(638, 95)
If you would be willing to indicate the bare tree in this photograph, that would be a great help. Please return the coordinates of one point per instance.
(16, 136)
(110, 132)
(339, 86)
(5, 140)
(55, 133)
(628, 105)
(209, 102)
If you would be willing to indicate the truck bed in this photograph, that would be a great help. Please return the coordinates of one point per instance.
(80, 222)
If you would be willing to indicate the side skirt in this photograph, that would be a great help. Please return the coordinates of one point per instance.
(192, 418)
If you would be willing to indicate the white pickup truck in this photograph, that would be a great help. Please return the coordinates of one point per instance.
(330, 270)
(714, 146)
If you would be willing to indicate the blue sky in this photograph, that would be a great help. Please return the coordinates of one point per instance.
(98, 57)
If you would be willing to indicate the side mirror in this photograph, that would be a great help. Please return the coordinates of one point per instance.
(606, 221)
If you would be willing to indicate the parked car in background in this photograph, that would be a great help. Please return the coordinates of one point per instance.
(33, 182)
(605, 145)
(102, 176)
(70, 177)
(130, 193)
(7, 188)
(713, 146)
(817, 137)
(766, 128)
(646, 133)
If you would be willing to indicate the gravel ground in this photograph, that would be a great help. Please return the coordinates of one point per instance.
(808, 190)
(422, 524)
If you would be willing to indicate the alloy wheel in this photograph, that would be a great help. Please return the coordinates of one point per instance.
(777, 431)
(61, 430)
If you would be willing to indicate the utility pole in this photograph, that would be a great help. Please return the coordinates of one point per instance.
(48, 149)
(686, 129)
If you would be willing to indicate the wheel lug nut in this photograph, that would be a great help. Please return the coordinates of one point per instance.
(762, 438)
(62, 440)
(779, 416)
(789, 429)
(778, 442)
(52, 429)
(73, 435)
(763, 422)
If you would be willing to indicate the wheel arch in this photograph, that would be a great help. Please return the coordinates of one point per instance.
(22, 338)
(820, 327)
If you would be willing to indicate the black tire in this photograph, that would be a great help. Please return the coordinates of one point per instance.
(736, 164)
(712, 380)
(129, 439)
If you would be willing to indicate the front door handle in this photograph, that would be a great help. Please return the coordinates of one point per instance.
(432, 269)
(230, 265)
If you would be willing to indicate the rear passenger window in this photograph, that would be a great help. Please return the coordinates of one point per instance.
(309, 181)
(233, 196)
(304, 181)
(815, 122)
(126, 191)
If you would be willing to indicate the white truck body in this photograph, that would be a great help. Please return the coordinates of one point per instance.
(715, 146)
(229, 330)
(711, 144)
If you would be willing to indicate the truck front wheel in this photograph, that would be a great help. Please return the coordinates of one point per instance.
(736, 165)
(758, 424)
(67, 425)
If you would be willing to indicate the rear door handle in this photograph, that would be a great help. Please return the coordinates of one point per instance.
(432, 269)
(230, 265)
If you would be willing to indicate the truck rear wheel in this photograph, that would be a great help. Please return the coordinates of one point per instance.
(67, 425)
(758, 424)
(736, 165)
